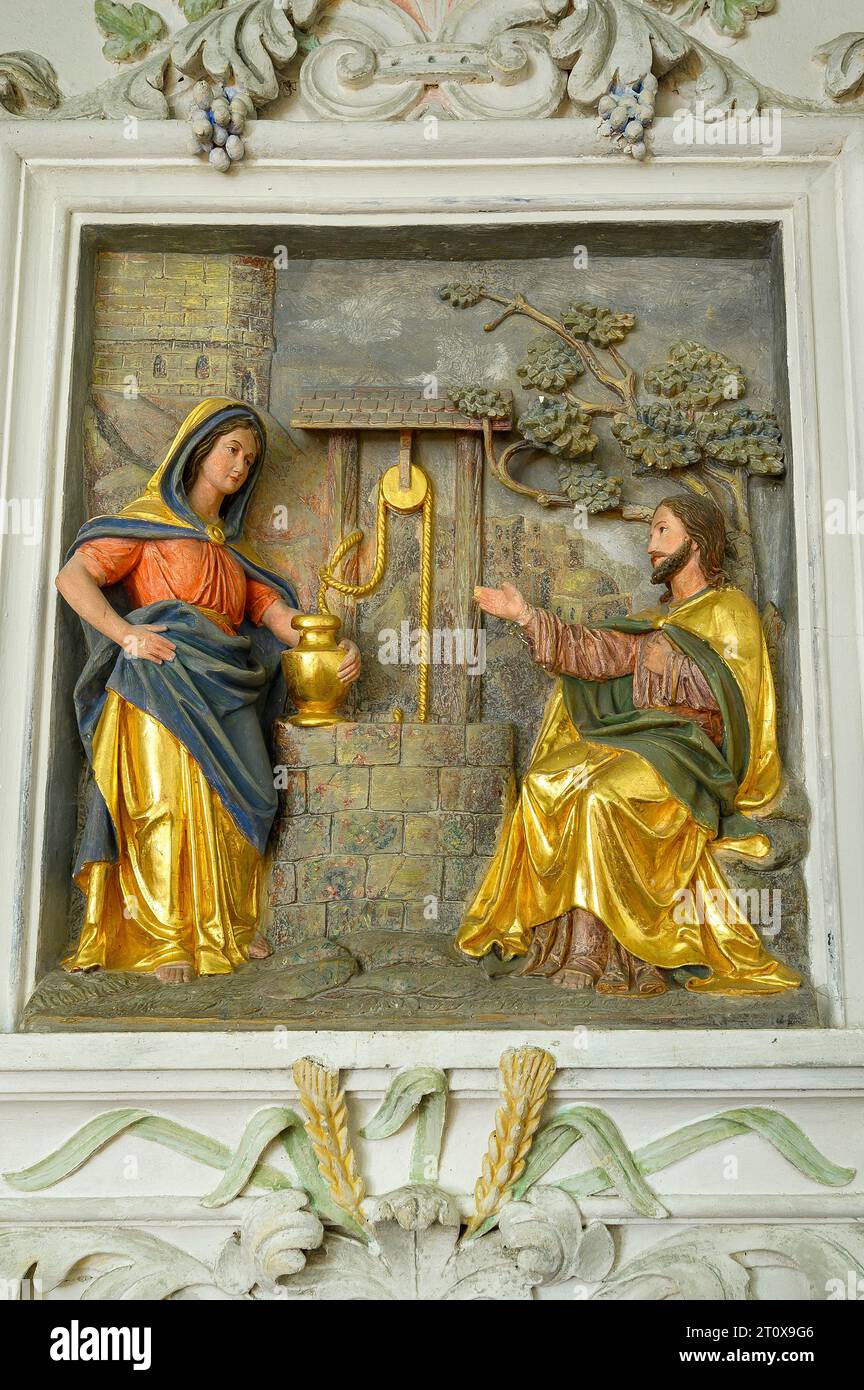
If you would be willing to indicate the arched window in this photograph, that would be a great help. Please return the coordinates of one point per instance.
(202, 366)
(247, 388)
(160, 366)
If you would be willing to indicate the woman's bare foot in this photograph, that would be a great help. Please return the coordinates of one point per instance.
(259, 947)
(177, 974)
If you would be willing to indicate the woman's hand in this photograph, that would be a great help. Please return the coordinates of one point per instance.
(350, 668)
(82, 590)
(506, 602)
(143, 643)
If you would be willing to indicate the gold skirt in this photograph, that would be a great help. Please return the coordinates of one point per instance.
(186, 887)
(597, 828)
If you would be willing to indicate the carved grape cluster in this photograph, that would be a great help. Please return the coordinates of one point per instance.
(626, 111)
(218, 120)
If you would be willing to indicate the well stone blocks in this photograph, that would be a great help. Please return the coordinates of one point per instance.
(315, 747)
(481, 789)
(301, 837)
(433, 745)
(283, 888)
(367, 832)
(404, 788)
(373, 916)
(292, 791)
(337, 788)
(365, 744)
(404, 876)
(330, 877)
(384, 825)
(489, 745)
(461, 877)
(486, 831)
(297, 923)
(439, 832)
(442, 916)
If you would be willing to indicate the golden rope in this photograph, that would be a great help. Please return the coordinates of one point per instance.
(342, 586)
(355, 591)
(425, 608)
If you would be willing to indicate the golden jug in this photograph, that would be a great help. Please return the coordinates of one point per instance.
(310, 670)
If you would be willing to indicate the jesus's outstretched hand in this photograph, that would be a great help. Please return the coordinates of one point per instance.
(506, 602)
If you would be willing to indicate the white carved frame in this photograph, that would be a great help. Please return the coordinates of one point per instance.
(56, 180)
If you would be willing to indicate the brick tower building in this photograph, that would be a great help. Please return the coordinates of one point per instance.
(170, 324)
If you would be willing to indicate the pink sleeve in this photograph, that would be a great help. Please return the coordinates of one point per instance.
(258, 599)
(681, 683)
(110, 559)
(569, 649)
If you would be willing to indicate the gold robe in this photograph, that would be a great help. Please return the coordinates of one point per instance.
(185, 886)
(596, 827)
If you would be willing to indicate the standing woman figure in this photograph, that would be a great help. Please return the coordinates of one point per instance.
(181, 684)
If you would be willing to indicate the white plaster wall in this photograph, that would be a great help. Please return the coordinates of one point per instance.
(648, 1084)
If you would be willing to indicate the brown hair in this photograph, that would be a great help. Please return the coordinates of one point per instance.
(705, 524)
(204, 445)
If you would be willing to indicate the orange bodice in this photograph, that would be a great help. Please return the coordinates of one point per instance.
(193, 571)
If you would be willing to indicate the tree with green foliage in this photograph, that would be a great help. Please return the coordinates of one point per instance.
(692, 427)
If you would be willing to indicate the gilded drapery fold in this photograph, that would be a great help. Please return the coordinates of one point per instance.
(621, 806)
(182, 797)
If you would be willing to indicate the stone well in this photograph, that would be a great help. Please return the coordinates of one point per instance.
(384, 824)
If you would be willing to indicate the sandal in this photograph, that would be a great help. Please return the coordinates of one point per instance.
(616, 977)
(577, 974)
(647, 979)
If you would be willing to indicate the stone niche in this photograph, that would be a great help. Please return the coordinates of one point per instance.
(384, 825)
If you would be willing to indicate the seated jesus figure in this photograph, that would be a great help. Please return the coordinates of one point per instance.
(657, 745)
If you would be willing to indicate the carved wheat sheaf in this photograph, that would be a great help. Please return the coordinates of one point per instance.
(327, 1126)
(409, 1248)
(526, 1073)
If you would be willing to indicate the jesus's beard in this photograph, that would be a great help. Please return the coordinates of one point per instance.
(668, 567)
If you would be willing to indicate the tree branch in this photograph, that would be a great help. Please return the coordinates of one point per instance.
(622, 386)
